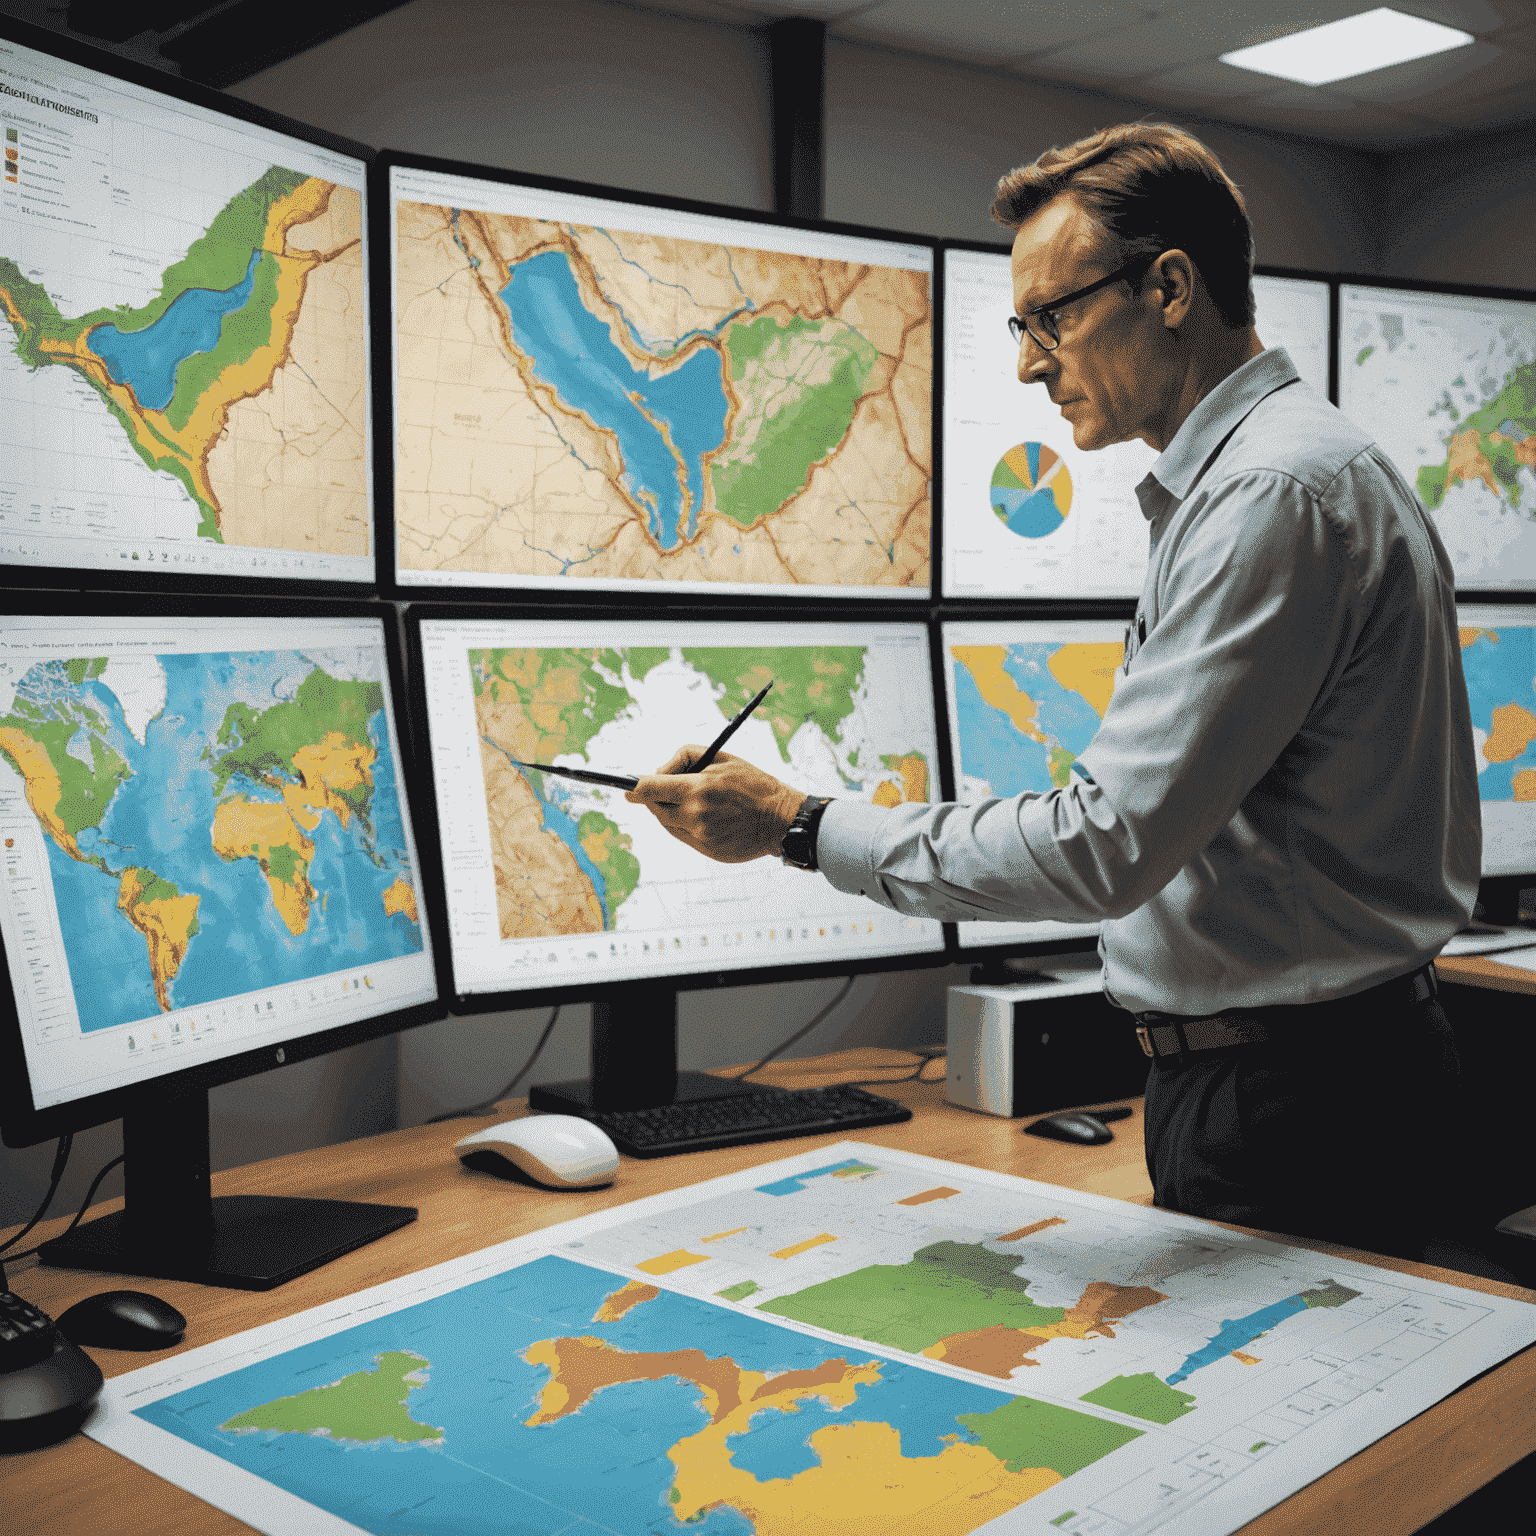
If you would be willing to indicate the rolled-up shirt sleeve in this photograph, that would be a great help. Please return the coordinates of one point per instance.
(1257, 617)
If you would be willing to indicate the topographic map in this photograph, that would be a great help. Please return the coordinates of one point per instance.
(851, 1340)
(1447, 386)
(244, 379)
(572, 858)
(214, 824)
(584, 402)
(1026, 711)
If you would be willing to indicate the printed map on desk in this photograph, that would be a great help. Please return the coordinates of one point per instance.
(854, 1339)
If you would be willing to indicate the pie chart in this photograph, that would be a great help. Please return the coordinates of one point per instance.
(1031, 490)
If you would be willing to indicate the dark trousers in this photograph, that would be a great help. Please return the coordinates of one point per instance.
(1333, 1128)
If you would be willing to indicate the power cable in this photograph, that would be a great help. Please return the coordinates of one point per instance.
(60, 1161)
(487, 1106)
(799, 1034)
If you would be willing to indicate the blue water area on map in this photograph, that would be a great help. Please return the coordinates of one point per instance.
(1064, 714)
(147, 360)
(573, 352)
(1501, 671)
(567, 828)
(607, 1462)
(1030, 514)
(1235, 1333)
(794, 1184)
(161, 819)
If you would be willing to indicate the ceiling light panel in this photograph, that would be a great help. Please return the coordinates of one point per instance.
(1356, 45)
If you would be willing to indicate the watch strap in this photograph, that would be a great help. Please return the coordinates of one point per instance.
(798, 850)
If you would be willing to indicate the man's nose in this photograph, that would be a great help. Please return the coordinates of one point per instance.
(1035, 363)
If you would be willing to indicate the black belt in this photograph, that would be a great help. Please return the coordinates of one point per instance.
(1167, 1036)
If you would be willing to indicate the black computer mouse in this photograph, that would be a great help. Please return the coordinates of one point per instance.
(123, 1320)
(1075, 1125)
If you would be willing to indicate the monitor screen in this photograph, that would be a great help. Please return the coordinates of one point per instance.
(1447, 385)
(1498, 656)
(1025, 698)
(183, 337)
(595, 392)
(1025, 513)
(206, 840)
(553, 883)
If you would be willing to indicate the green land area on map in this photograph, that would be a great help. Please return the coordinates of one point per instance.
(740, 1291)
(1144, 1396)
(810, 682)
(945, 1289)
(1496, 440)
(798, 384)
(367, 1407)
(1027, 1433)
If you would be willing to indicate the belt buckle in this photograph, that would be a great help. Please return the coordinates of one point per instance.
(1146, 1041)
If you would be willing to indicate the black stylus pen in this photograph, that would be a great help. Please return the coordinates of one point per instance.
(711, 751)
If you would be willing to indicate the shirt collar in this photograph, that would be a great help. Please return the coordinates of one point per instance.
(1214, 419)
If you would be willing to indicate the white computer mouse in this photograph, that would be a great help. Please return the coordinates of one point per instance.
(557, 1151)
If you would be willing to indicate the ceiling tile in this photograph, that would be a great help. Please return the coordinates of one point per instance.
(1475, 16)
(1207, 84)
(1127, 53)
(1319, 113)
(1222, 25)
(1456, 78)
(1523, 38)
(991, 30)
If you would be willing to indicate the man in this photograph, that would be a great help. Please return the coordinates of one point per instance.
(1277, 821)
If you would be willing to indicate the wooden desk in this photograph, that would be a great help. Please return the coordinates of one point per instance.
(1487, 971)
(1396, 1485)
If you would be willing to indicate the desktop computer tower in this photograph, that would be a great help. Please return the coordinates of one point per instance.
(1030, 1047)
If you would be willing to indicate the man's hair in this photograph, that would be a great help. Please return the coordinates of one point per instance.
(1151, 188)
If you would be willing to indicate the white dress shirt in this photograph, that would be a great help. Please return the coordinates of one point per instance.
(1280, 805)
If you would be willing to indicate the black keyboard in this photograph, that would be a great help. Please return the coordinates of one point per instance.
(703, 1124)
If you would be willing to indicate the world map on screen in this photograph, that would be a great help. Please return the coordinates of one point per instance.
(1500, 668)
(585, 402)
(1026, 711)
(573, 858)
(243, 380)
(556, 1394)
(214, 823)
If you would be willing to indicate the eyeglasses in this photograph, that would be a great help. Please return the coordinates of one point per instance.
(1040, 321)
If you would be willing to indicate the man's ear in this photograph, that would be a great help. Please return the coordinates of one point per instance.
(1174, 277)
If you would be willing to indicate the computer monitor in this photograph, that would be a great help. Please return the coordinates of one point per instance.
(209, 872)
(1025, 513)
(1498, 657)
(553, 888)
(597, 391)
(1024, 699)
(1444, 380)
(184, 348)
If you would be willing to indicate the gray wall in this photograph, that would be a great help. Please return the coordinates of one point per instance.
(675, 104)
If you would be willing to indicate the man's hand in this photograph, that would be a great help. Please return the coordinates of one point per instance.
(731, 812)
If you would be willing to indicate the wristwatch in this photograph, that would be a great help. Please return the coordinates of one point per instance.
(798, 850)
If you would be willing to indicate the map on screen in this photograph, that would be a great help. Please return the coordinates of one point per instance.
(183, 337)
(187, 827)
(1498, 659)
(549, 878)
(1026, 514)
(1025, 699)
(608, 393)
(1447, 386)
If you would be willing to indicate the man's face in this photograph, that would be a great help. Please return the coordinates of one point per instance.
(1099, 375)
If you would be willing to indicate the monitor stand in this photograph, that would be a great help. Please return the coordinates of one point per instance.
(172, 1228)
(634, 1060)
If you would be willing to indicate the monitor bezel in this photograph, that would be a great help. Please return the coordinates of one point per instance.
(640, 594)
(995, 611)
(22, 1124)
(71, 50)
(1526, 594)
(428, 832)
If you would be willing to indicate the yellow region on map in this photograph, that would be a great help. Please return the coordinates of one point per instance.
(665, 1263)
(625, 1299)
(44, 786)
(862, 1481)
(248, 829)
(985, 664)
(289, 468)
(167, 924)
(1514, 728)
(795, 1249)
(748, 416)
(401, 897)
(1090, 670)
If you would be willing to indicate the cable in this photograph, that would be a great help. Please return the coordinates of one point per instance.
(488, 1105)
(60, 1161)
(924, 1053)
(85, 1205)
(799, 1034)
